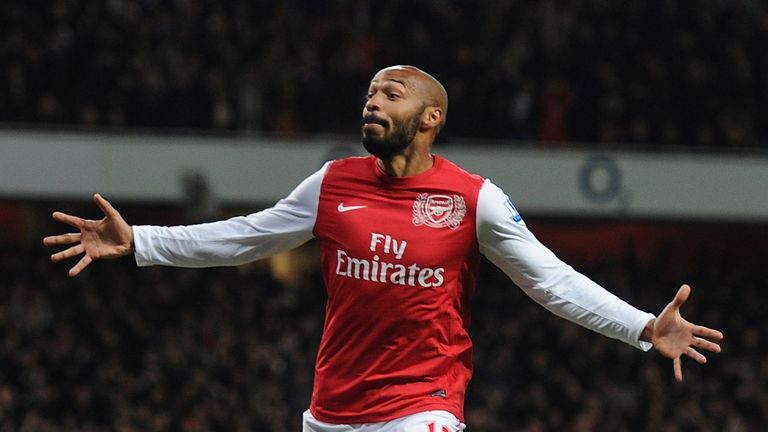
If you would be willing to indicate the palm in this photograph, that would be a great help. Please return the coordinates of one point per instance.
(109, 237)
(104, 238)
(672, 330)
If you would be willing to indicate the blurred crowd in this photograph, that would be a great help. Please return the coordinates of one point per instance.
(129, 349)
(642, 73)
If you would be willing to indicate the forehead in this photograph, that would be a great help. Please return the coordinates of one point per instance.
(400, 77)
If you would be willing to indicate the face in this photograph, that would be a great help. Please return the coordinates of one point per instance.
(392, 114)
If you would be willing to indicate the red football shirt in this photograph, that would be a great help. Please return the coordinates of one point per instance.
(399, 257)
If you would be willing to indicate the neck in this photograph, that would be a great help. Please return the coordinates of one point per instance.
(409, 163)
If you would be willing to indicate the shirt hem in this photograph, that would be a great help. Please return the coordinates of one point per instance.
(360, 419)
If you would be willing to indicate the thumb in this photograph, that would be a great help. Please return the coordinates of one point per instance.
(681, 296)
(104, 205)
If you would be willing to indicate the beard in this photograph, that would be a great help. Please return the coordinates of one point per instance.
(393, 141)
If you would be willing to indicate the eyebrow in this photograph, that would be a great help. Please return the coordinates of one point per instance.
(401, 82)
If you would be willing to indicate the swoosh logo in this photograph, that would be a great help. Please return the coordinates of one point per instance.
(342, 208)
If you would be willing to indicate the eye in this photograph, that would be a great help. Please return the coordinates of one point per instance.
(393, 96)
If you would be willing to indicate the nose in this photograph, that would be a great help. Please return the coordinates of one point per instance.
(372, 104)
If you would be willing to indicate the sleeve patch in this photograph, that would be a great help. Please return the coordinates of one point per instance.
(514, 214)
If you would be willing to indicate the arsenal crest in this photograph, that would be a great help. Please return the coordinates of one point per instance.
(439, 211)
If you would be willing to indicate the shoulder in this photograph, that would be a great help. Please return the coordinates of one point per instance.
(352, 163)
(350, 172)
(494, 204)
(458, 173)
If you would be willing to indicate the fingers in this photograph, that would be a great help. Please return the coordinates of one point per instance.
(105, 206)
(74, 251)
(83, 263)
(61, 239)
(70, 220)
(678, 368)
(707, 333)
(68, 239)
(705, 344)
(692, 353)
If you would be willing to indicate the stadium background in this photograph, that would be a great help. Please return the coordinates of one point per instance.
(643, 89)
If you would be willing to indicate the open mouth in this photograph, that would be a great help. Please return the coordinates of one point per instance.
(370, 120)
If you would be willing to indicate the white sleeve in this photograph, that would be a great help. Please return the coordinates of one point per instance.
(506, 241)
(234, 241)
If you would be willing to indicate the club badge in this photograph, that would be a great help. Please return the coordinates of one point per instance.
(437, 211)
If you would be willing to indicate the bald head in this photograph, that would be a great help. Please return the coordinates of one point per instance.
(425, 85)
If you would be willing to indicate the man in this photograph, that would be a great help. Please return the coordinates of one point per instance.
(400, 234)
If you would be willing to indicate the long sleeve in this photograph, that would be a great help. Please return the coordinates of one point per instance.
(506, 241)
(237, 240)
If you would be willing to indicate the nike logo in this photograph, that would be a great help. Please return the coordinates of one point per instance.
(342, 208)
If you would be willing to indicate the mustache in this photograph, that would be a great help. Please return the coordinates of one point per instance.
(370, 118)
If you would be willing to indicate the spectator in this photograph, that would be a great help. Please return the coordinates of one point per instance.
(169, 349)
(184, 64)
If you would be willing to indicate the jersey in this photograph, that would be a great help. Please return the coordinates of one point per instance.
(399, 258)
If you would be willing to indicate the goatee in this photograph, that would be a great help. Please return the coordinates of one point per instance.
(394, 141)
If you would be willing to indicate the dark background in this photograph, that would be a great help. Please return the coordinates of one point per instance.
(154, 349)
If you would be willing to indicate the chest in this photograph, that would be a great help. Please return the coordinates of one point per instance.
(430, 227)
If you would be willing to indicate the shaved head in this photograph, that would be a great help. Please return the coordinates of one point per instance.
(425, 85)
(405, 109)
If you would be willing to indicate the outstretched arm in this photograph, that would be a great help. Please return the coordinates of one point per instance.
(109, 237)
(289, 223)
(507, 242)
(673, 336)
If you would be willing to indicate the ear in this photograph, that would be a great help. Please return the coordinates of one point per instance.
(432, 117)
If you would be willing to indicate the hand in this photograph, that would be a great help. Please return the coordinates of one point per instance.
(673, 336)
(110, 237)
